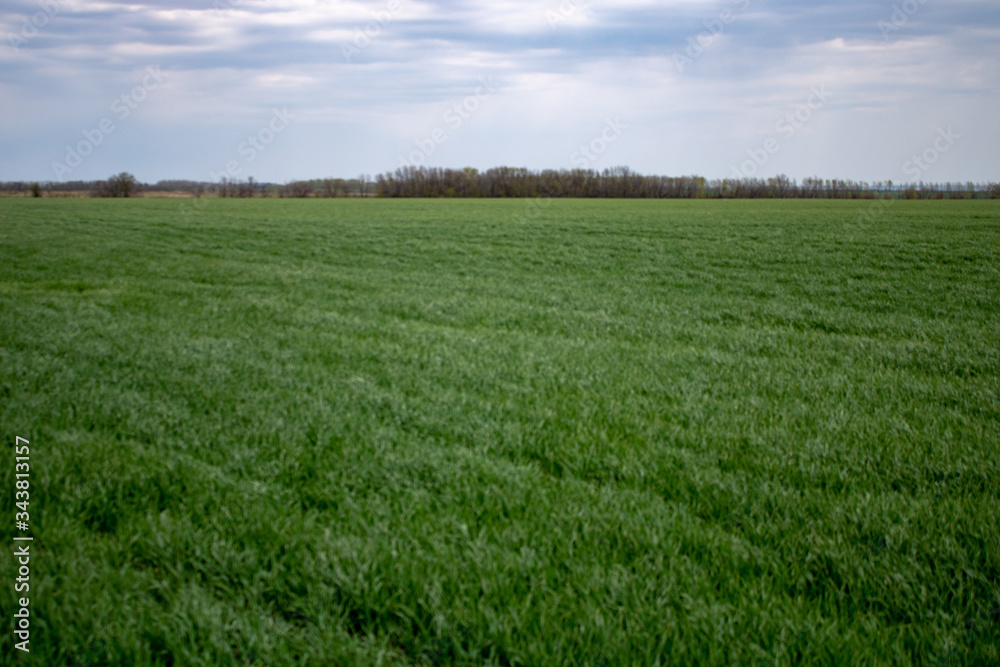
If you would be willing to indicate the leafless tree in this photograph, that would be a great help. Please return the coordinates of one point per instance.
(299, 189)
(122, 185)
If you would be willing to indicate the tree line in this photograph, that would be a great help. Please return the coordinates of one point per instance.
(616, 183)
(119, 185)
(623, 183)
(126, 185)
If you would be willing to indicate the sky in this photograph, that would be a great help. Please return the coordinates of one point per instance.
(282, 90)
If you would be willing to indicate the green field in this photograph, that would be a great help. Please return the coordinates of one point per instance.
(438, 431)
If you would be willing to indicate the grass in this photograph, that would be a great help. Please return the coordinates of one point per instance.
(433, 432)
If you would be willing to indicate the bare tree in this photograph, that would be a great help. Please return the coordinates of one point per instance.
(122, 185)
(299, 189)
(781, 186)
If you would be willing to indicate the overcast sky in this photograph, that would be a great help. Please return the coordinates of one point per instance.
(290, 89)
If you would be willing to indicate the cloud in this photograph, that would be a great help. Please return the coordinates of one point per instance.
(367, 79)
